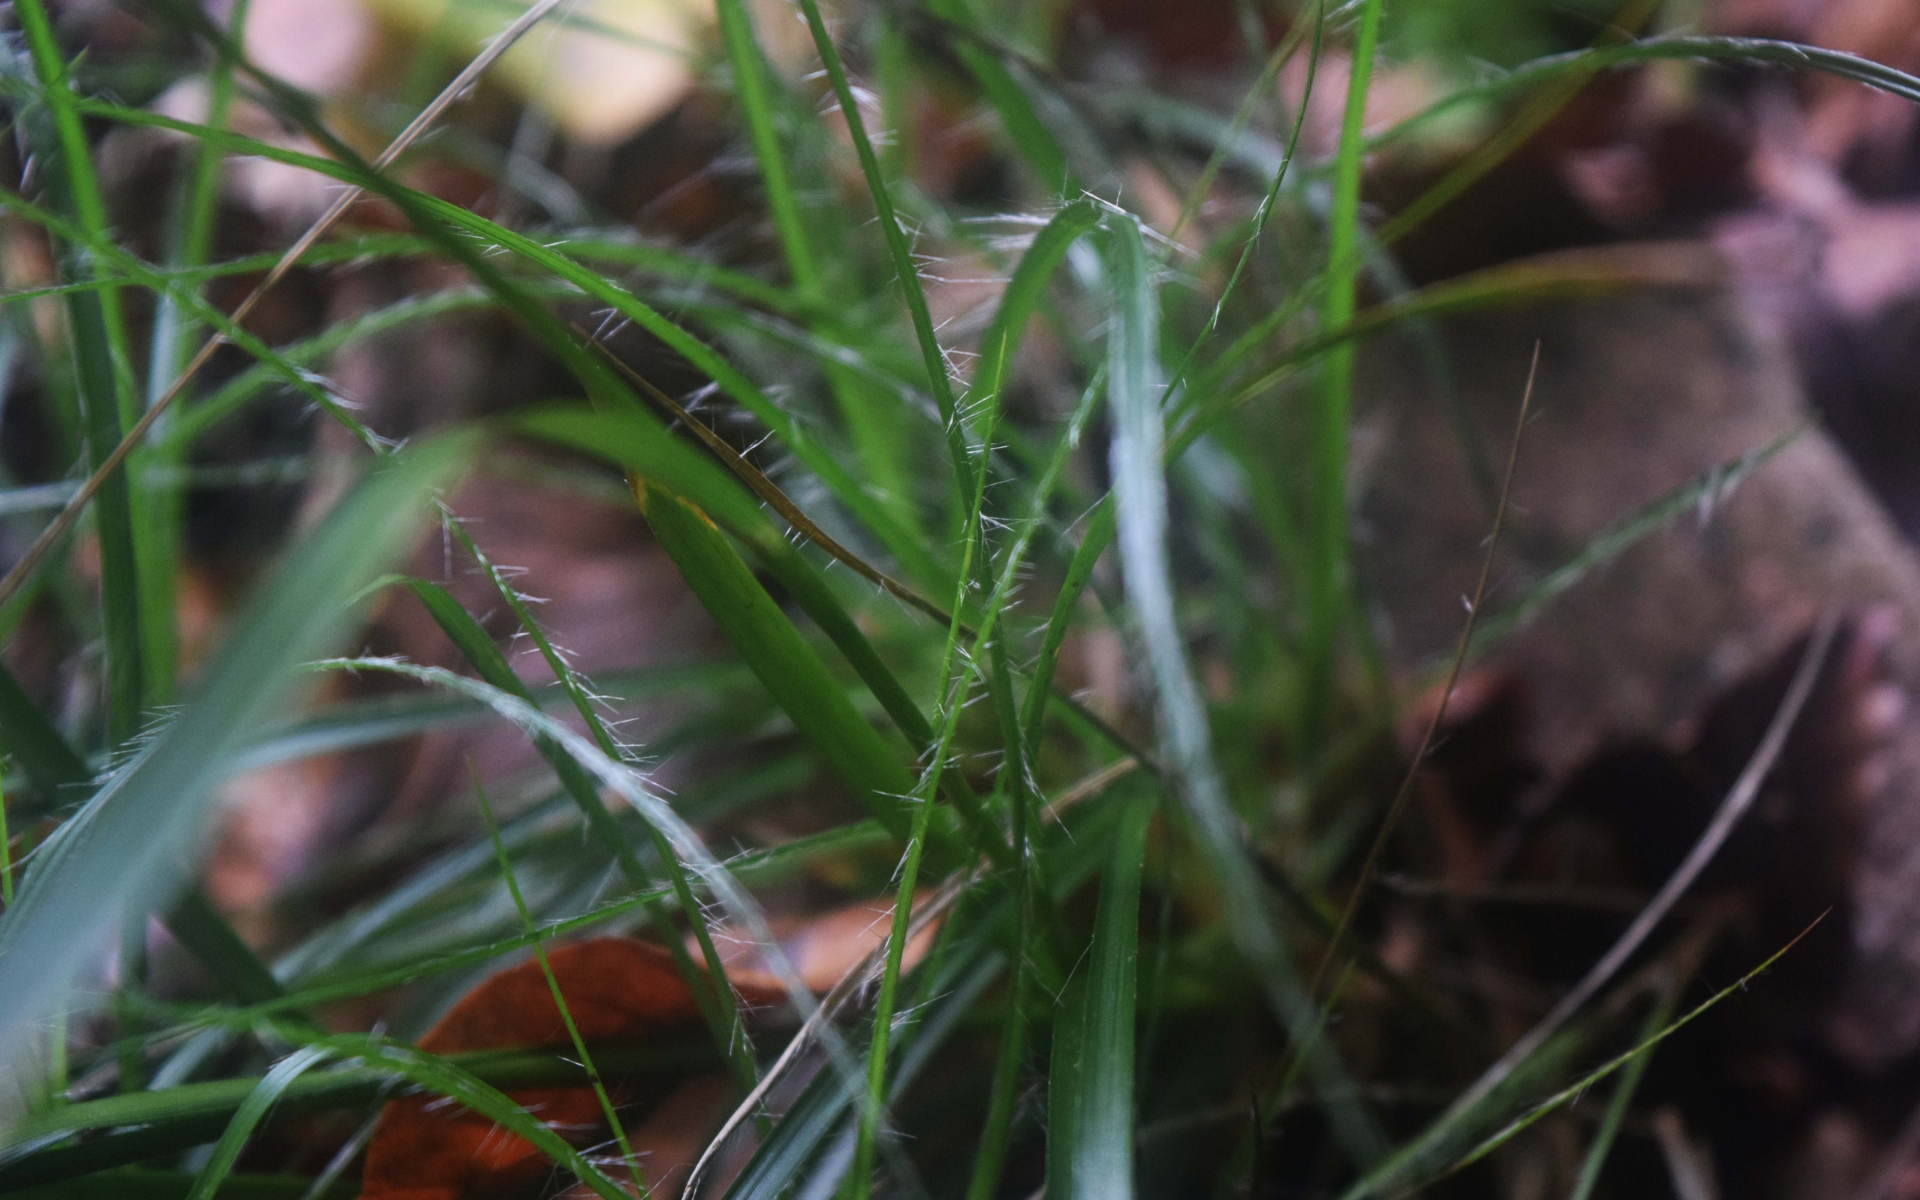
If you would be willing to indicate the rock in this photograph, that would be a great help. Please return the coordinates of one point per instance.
(1635, 398)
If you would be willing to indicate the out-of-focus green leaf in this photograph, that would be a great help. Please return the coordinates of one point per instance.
(131, 844)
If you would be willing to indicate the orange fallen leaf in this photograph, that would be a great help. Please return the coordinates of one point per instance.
(617, 989)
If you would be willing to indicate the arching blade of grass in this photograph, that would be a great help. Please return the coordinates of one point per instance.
(435, 216)
(772, 864)
(1090, 1142)
(682, 268)
(370, 722)
(1796, 56)
(1135, 389)
(1022, 298)
(713, 994)
(248, 1116)
(126, 848)
(1579, 272)
(436, 1074)
(100, 367)
(656, 457)
(59, 774)
(190, 1114)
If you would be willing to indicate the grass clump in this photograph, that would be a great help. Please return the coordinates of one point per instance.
(909, 533)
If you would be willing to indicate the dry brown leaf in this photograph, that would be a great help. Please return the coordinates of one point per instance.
(617, 989)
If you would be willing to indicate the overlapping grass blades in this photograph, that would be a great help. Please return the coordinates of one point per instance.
(709, 515)
(129, 847)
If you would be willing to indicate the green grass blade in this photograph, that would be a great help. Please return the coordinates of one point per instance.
(777, 654)
(434, 216)
(713, 994)
(190, 238)
(876, 432)
(1326, 584)
(57, 772)
(1698, 495)
(209, 937)
(1095, 1151)
(1023, 126)
(772, 864)
(933, 358)
(49, 762)
(126, 847)
(650, 454)
(247, 1118)
(99, 345)
(553, 982)
(1603, 1137)
(1792, 55)
(1135, 387)
(190, 1114)
(1576, 273)
(1022, 298)
(477, 647)
(438, 1075)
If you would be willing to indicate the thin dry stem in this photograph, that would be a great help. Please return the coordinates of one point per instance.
(1371, 865)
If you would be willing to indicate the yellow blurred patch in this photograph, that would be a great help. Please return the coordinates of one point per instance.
(601, 69)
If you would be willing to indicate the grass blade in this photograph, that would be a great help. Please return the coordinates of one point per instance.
(1603, 1137)
(713, 994)
(1090, 1136)
(126, 846)
(553, 982)
(875, 430)
(247, 1118)
(1023, 126)
(436, 1074)
(101, 371)
(1326, 584)
(933, 358)
(1135, 388)
(777, 654)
